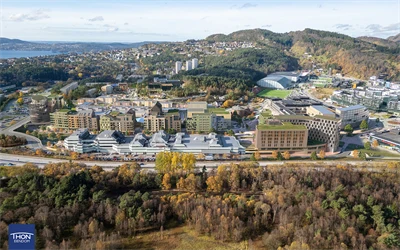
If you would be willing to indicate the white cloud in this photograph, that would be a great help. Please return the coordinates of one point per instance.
(96, 19)
(341, 26)
(32, 16)
(376, 28)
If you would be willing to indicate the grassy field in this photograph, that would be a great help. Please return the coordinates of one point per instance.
(280, 93)
(180, 238)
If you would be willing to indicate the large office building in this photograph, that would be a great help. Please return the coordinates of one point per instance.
(117, 120)
(39, 109)
(111, 141)
(352, 115)
(321, 129)
(277, 135)
(158, 120)
(178, 67)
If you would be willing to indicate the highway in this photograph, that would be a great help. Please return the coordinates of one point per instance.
(33, 142)
(20, 160)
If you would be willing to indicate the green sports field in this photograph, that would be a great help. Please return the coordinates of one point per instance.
(280, 93)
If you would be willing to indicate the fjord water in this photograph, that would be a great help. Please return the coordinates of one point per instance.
(5, 54)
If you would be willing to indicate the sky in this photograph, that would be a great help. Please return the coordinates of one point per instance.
(178, 20)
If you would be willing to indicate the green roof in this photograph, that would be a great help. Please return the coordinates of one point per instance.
(114, 113)
(217, 111)
(64, 110)
(172, 111)
(283, 126)
(266, 113)
(38, 97)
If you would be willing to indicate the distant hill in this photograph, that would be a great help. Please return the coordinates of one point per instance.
(65, 47)
(378, 41)
(357, 57)
(11, 41)
(395, 38)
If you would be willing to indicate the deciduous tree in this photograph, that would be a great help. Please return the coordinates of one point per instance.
(286, 155)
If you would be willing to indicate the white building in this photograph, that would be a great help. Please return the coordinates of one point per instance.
(178, 66)
(352, 115)
(195, 63)
(66, 89)
(111, 141)
(188, 65)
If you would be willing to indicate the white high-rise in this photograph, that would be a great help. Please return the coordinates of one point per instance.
(195, 63)
(188, 65)
(178, 66)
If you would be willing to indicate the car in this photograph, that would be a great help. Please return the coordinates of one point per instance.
(10, 164)
(141, 164)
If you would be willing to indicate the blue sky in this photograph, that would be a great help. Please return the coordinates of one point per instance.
(177, 20)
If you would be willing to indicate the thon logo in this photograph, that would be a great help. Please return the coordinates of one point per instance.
(21, 237)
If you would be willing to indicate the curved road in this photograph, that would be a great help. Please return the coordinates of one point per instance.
(33, 142)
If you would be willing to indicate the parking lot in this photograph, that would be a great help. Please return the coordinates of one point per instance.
(136, 158)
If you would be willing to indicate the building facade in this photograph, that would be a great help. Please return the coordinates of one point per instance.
(321, 129)
(71, 120)
(39, 109)
(115, 120)
(68, 88)
(188, 65)
(352, 115)
(178, 67)
(195, 63)
(277, 135)
(111, 141)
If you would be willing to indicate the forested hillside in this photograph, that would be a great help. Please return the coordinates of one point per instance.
(350, 56)
(356, 57)
(291, 207)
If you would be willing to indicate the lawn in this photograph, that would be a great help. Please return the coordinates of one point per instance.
(280, 93)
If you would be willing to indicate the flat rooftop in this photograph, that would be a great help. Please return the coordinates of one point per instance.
(217, 111)
(323, 110)
(281, 126)
(352, 108)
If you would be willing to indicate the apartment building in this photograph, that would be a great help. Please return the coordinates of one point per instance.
(60, 118)
(277, 135)
(158, 120)
(204, 120)
(84, 119)
(71, 120)
(118, 120)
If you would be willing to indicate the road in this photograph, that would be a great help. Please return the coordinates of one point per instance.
(20, 160)
(33, 142)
